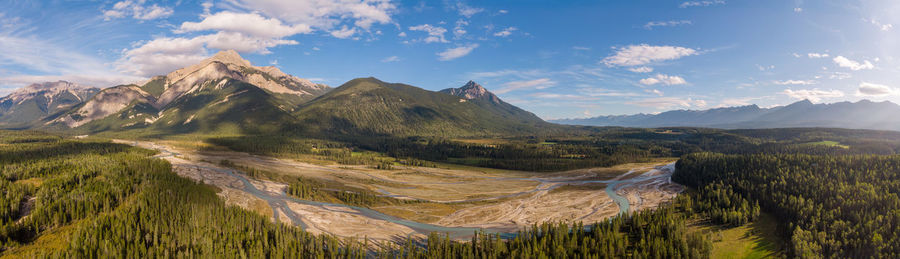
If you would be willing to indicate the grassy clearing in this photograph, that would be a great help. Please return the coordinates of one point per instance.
(827, 143)
(755, 240)
(54, 240)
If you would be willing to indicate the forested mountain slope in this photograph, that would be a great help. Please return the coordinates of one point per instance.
(371, 107)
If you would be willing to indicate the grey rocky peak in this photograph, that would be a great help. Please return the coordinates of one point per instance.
(36, 101)
(471, 91)
(48, 89)
(162, 92)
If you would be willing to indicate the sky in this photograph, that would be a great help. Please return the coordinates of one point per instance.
(558, 59)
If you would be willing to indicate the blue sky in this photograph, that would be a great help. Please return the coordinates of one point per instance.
(558, 59)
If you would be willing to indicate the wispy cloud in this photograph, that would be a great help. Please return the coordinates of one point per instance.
(795, 82)
(505, 32)
(540, 83)
(663, 79)
(467, 11)
(881, 26)
(435, 33)
(641, 69)
(458, 52)
(52, 62)
(814, 95)
(651, 25)
(841, 61)
(701, 3)
(875, 90)
(663, 103)
(137, 9)
(636, 55)
(390, 59)
(817, 55)
(343, 33)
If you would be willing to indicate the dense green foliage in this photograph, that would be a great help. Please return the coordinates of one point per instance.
(599, 147)
(369, 107)
(649, 234)
(830, 206)
(125, 204)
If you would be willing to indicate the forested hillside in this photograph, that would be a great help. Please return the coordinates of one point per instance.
(844, 206)
(77, 198)
(87, 199)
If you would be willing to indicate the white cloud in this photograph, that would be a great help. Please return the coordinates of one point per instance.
(663, 79)
(323, 14)
(669, 103)
(840, 75)
(206, 6)
(764, 68)
(541, 83)
(343, 33)
(875, 90)
(458, 52)
(251, 24)
(505, 32)
(853, 65)
(460, 30)
(795, 82)
(390, 59)
(732, 102)
(162, 55)
(53, 63)
(580, 48)
(503, 12)
(814, 95)
(643, 69)
(701, 3)
(401, 34)
(435, 34)
(466, 10)
(650, 25)
(817, 55)
(798, 10)
(137, 10)
(636, 55)
(881, 26)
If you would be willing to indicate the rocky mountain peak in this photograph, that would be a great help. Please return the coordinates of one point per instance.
(49, 89)
(58, 85)
(229, 57)
(470, 91)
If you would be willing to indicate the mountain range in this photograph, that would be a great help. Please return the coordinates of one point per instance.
(27, 105)
(864, 114)
(225, 94)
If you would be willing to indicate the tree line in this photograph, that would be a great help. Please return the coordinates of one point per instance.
(835, 206)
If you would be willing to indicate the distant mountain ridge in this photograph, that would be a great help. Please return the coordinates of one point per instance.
(864, 114)
(36, 101)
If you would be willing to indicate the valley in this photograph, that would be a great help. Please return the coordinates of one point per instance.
(457, 202)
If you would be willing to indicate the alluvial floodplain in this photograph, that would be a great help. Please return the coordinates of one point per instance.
(456, 200)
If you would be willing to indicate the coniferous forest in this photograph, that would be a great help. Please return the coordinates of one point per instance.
(90, 198)
(829, 206)
(98, 199)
